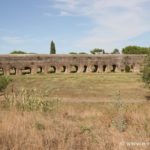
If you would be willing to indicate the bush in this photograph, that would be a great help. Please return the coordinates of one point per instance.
(127, 68)
(4, 81)
(29, 100)
(135, 50)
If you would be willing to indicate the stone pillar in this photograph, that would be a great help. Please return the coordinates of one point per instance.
(18, 71)
(45, 70)
(80, 69)
(33, 70)
(100, 69)
(88, 70)
(58, 69)
(6, 71)
(108, 69)
(136, 69)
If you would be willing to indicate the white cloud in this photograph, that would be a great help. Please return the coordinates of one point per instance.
(115, 20)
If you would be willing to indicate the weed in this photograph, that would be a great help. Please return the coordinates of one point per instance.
(119, 121)
(4, 81)
(29, 100)
(39, 126)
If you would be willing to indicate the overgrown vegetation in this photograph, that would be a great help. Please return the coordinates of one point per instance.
(4, 81)
(32, 118)
(18, 52)
(29, 100)
(136, 50)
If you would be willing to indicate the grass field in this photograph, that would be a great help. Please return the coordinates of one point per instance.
(75, 112)
(86, 87)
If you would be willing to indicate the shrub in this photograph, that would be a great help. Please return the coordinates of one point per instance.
(127, 68)
(4, 81)
(119, 121)
(29, 100)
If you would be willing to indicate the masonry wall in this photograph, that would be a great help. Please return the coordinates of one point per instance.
(33, 64)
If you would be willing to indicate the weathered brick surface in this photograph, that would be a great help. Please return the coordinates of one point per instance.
(16, 64)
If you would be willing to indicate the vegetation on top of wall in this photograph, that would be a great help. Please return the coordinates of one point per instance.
(78, 53)
(18, 52)
(115, 51)
(73, 53)
(136, 50)
(97, 51)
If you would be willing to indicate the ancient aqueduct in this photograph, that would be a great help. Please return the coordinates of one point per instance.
(33, 64)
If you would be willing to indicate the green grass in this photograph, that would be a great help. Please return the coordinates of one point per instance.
(86, 87)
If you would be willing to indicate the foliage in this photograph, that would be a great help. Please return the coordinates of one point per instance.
(18, 52)
(82, 53)
(73, 53)
(39, 126)
(146, 71)
(29, 100)
(135, 50)
(127, 68)
(52, 48)
(97, 51)
(115, 51)
(119, 121)
(4, 81)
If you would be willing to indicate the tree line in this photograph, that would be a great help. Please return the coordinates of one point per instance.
(125, 50)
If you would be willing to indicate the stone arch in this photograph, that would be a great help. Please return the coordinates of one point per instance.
(26, 70)
(12, 71)
(114, 68)
(39, 69)
(63, 69)
(52, 69)
(74, 69)
(104, 68)
(84, 68)
(94, 68)
(1, 71)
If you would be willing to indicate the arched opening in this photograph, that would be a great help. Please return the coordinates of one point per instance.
(74, 69)
(84, 68)
(63, 69)
(26, 70)
(52, 69)
(113, 68)
(94, 68)
(127, 68)
(104, 68)
(39, 70)
(1, 71)
(13, 71)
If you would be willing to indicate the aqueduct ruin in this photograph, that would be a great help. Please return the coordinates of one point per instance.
(33, 64)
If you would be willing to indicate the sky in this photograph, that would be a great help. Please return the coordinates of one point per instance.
(74, 25)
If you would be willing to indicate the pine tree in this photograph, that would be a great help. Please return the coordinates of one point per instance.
(52, 48)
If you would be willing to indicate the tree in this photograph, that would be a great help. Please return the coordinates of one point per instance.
(72, 53)
(52, 48)
(135, 50)
(146, 71)
(116, 51)
(18, 52)
(97, 51)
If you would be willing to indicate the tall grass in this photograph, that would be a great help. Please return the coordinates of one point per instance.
(29, 100)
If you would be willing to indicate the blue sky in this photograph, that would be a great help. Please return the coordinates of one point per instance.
(74, 25)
